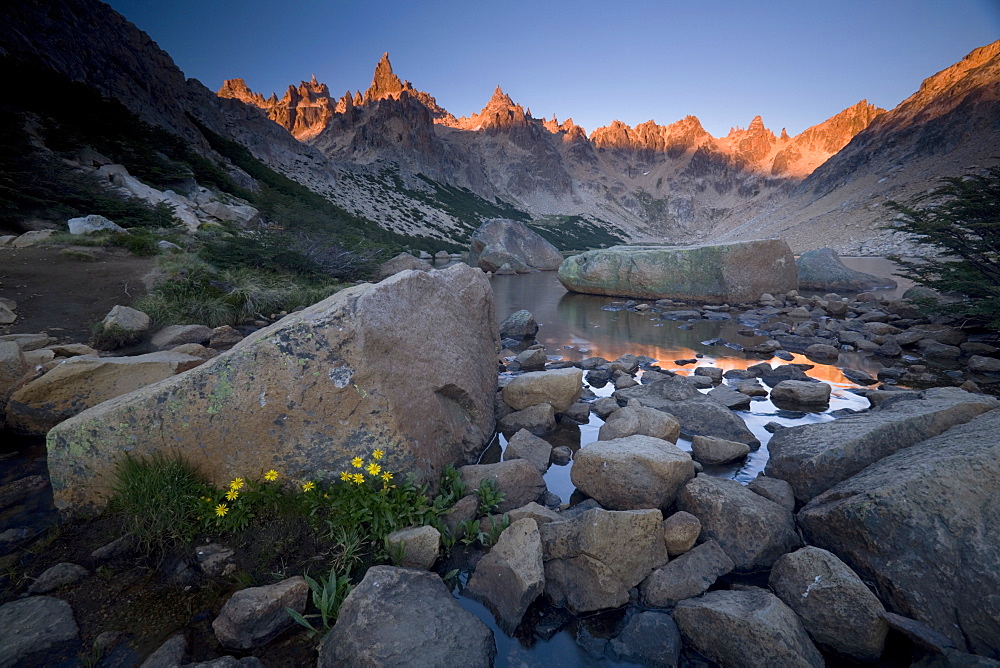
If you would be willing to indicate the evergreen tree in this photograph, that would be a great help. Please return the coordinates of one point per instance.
(960, 220)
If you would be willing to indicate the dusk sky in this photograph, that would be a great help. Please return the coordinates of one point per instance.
(795, 63)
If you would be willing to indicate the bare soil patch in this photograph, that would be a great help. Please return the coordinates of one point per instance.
(65, 296)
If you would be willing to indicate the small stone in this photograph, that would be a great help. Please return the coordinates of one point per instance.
(420, 546)
(525, 445)
(56, 577)
(680, 531)
(213, 558)
(716, 451)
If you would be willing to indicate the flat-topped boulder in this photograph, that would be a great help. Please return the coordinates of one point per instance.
(406, 365)
(712, 273)
(822, 270)
(501, 241)
(815, 457)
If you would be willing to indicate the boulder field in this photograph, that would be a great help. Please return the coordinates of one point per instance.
(309, 393)
(715, 274)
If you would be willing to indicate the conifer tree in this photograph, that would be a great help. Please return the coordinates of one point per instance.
(960, 220)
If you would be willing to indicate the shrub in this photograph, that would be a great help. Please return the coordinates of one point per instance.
(113, 337)
(960, 220)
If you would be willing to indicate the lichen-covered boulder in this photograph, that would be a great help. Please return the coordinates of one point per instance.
(712, 273)
(501, 241)
(361, 369)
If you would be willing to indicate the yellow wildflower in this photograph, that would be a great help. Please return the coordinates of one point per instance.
(232, 494)
(345, 476)
(358, 478)
(357, 462)
(386, 476)
(236, 484)
(378, 454)
(221, 510)
(308, 486)
(271, 475)
(374, 468)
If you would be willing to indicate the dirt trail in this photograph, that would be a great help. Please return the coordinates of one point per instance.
(64, 296)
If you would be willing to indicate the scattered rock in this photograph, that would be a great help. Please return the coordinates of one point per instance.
(33, 626)
(631, 473)
(7, 315)
(774, 489)
(175, 335)
(538, 419)
(631, 421)
(604, 407)
(525, 445)
(981, 364)
(254, 616)
(169, 655)
(834, 605)
(800, 394)
(680, 531)
(222, 337)
(32, 238)
(649, 638)
(399, 616)
(127, 318)
(56, 577)
(734, 400)
(419, 546)
(746, 628)
(518, 480)
(689, 575)
(533, 359)
(716, 451)
(401, 262)
(519, 325)
(752, 530)
(594, 559)
(214, 559)
(559, 388)
(511, 575)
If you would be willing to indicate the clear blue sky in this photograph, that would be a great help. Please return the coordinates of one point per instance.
(795, 63)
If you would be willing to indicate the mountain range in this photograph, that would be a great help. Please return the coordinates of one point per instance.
(394, 156)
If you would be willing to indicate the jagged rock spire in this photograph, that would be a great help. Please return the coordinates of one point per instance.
(384, 82)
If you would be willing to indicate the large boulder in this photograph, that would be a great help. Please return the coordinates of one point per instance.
(399, 616)
(752, 530)
(82, 382)
(631, 473)
(697, 413)
(822, 270)
(718, 273)
(501, 241)
(815, 457)
(595, 558)
(313, 391)
(511, 575)
(921, 525)
(92, 223)
(836, 608)
(745, 628)
(559, 388)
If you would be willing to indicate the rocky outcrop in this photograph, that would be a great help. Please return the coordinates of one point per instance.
(398, 616)
(501, 241)
(920, 525)
(319, 387)
(814, 457)
(725, 273)
(82, 382)
(822, 270)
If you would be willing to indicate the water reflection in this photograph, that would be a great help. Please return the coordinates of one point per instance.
(577, 326)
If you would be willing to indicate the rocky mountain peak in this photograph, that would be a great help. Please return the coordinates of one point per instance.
(500, 100)
(237, 89)
(384, 83)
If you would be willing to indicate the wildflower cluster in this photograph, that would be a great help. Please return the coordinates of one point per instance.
(234, 507)
(373, 468)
